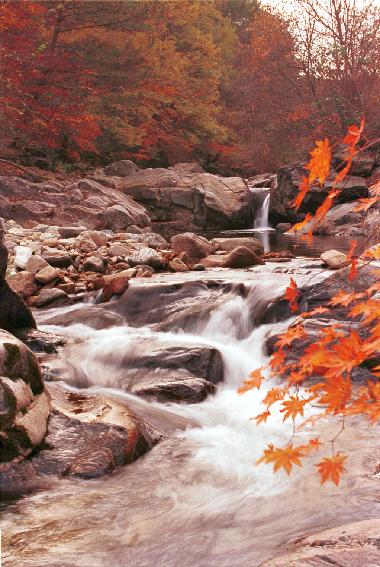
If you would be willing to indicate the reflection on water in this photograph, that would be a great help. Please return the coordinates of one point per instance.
(276, 241)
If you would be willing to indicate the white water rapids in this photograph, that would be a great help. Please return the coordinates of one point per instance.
(197, 499)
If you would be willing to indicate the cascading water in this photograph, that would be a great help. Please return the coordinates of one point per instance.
(261, 220)
(200, 487)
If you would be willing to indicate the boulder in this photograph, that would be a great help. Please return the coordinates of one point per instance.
(176, 265)
(53, 298)
(36, 264)
(156, 241)
(341, 219)
(93, 264)
(194, 247)
(70, 231)
(188, 167)
(362, 163)
(185, 201)
(114, 284)
(261, 180)
(93, 316)
(46, 275)
(14, 313)
(289, 180)
(151, 365)
(88, 436)
(240, 257)
(24, 405)
(147, 256)
(229, 244)
(23, 283)
(22, 255)
(283, 226)
(121, 168)
(334, 259)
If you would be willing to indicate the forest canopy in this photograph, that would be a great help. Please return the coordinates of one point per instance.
(233, 84)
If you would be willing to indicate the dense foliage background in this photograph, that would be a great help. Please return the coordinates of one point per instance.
(239, 87)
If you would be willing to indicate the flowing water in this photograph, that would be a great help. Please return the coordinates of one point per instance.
(197, 499)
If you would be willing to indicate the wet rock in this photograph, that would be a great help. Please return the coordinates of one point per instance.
(198, 268)
(121, 168)
(93, 316)
(114, 284)
(229, 244)
(175, 388)
(193, 246)
(240, 257)
(88, 436)
(46, 275)
(146, 256)
(53, 298)
(23, 283)
(22, 255)
(334, 259)
(178, 266)
(93, 264)
(40, 341)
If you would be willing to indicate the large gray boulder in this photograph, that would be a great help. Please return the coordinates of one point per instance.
(289, 180)
(187, 201)
(14, 313)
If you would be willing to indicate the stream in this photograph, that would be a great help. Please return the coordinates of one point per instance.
(197, 499)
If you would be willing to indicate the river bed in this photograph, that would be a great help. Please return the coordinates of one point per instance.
(197, 499)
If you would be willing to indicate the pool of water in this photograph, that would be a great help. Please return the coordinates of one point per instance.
(276, 241)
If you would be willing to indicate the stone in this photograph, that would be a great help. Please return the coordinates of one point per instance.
(36, 264)
(283, 226)
(119, 250)
(90, 240)
(115, 284)
(53, 298)
(198, 268)
(22, 255)
(23, 283)
(147, 256)
(58, 260)
(121, 168)
(17, 362)
(240, 257)
(156, 241)
(194, 247)
(261, 180)
(46, 275)
(229, 244)
(334, 259)
(70, 231)
(178, 266)
(93, 264)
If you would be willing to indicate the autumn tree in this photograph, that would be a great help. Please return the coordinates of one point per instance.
(46, 92)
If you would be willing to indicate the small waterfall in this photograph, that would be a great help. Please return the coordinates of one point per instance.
(261, 217)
